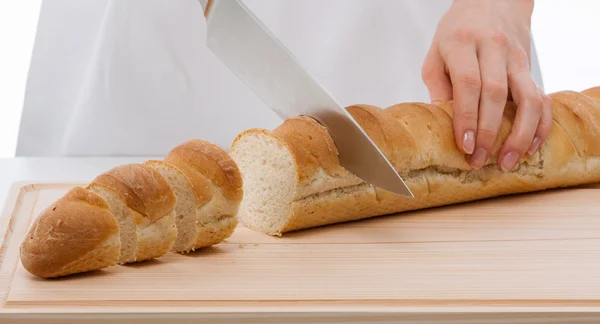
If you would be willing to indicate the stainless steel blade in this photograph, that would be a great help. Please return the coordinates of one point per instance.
(240, 40)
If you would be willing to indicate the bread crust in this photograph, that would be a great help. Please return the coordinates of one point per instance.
(217, 183)
(142, 188)
(75, 234)
(593, 93)
(151, 202)
(205, 163)
(418, 139)
(183, 216)
(323, 154)
(315, 155)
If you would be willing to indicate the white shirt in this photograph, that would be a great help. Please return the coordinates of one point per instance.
(114, 77)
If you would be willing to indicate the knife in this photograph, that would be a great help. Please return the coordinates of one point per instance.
(241, 41)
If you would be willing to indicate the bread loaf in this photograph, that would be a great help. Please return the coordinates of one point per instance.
(138, 212)
(292, 179)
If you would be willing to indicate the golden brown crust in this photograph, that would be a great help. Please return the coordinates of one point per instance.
(311, 145)
(571, 124)
(204, 162)
(388, 134)
(586, 110)
(418, 135)
(442, 130)
(143, 189)
(562, 150)
(74, 226)
(593, 93)
(421, 129)
(202, 186)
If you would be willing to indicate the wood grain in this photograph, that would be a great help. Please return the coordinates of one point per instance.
(531, 258)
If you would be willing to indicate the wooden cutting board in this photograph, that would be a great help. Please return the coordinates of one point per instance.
(532, 258)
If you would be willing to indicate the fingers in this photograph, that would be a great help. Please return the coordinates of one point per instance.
(463, 68)
(527, 124)
(494, 94)
(543, 130)
(480, 76)
(435, 77)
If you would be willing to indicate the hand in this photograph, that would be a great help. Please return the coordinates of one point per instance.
(481, 50)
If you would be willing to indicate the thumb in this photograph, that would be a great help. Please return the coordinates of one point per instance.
(435, 77)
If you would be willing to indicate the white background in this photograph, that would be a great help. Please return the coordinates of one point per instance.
(567, 35)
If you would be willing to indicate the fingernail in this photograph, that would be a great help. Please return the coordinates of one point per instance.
(535, 145)
(478, 158)
(509, 161)
(469, 142)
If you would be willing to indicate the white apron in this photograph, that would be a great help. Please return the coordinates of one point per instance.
(134, 77)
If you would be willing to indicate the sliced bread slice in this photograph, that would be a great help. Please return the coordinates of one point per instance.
(185, 208)
(208, 186)
(144, 205)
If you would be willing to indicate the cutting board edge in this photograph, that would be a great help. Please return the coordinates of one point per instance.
(8, 262)
(412, 315)
(8, 225)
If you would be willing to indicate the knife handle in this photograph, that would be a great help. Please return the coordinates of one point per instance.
(206, 5)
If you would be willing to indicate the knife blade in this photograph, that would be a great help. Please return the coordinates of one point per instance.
(247, 47)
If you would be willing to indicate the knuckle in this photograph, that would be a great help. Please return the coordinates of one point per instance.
(466, 117)
(545, 126)
(547, 102)
(487, 130)
(463, 35)
(486, 135)
(517, 144)
(427, 74)
(546, 123)
(522, 140)
(536, 102)
(520, 58)
(544, 130)
(470, 80)
(514, 75)
(499, 38)
(495, 90)
(520, 134)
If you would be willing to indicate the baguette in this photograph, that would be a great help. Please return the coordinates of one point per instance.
(208, 186)
(292, 179)
(137, 212)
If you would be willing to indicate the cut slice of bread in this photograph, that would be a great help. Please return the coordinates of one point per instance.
(208, 186)
(185, 208)
(75, 234)
(270, 178)
(128, 231)
(144, 205)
